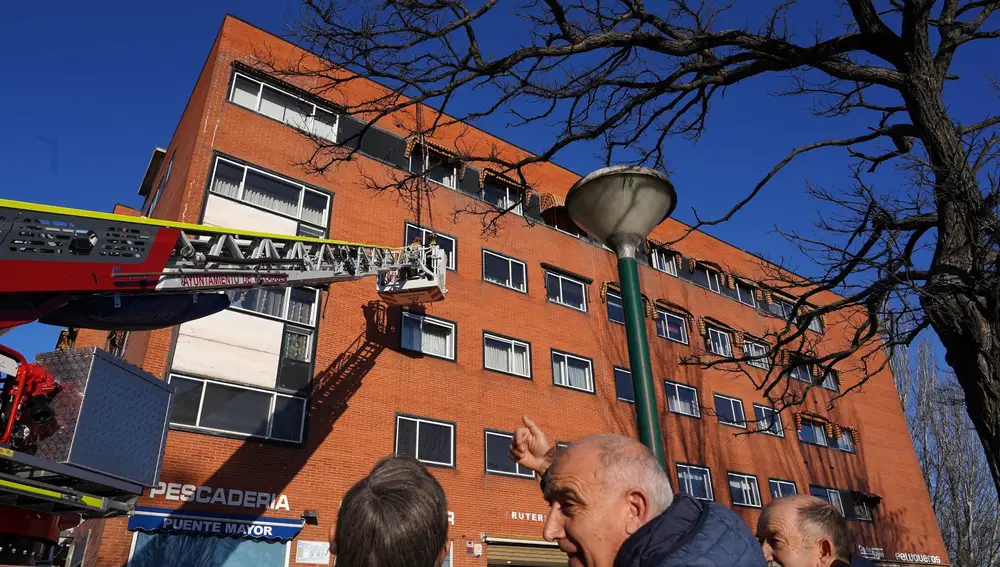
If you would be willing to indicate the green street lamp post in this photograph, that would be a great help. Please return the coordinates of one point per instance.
(620, 206)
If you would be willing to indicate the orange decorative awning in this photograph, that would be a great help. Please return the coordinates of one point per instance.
(412, 142)
(547, 201)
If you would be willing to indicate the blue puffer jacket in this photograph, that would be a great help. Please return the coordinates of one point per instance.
(692, 533)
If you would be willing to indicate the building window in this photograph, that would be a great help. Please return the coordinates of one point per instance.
(572, 371)
(730, 411)
(695, 481)
(862, 511)
(831, 381)
(297, 305)
(498, 460)
(506, 355)
(743, 490)
(671, 326)
(758, 351)
(710, 277)
(768, 420)
(719, 342)
(616, 312)
(782, 307)
(268, 191)
(425, 237)
(845, 442)
(161, 185)
(623, 385)
(502, 196)
(682, 399)
(663, 261)
(175, 549)
(816, 324)
(434, 166)
(813, 432)
(802, 373)
(566, 291)
(236, 410)
(428, 441)
(830, 495)
(746, 293)
(504, 271)
(782, 488)
(430, 336)
(284, 107)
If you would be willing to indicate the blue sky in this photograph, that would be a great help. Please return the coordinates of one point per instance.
(88, 93)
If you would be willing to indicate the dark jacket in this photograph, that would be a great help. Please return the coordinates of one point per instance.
(692, 533)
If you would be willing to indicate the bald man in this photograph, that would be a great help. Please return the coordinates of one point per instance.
(805, 531)
(611, 505)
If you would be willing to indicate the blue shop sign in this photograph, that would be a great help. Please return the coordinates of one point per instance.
(163, 520)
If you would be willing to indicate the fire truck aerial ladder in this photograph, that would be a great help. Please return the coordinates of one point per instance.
(86, 269)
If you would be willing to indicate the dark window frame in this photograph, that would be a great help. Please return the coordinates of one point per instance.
(418, 418)
(487, 431)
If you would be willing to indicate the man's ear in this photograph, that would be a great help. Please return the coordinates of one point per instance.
(827, 553)
(637, 511)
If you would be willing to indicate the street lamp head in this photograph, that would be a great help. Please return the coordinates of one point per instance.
(620, 205)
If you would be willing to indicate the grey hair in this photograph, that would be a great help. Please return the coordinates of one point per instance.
(629, 465)
(825, 521)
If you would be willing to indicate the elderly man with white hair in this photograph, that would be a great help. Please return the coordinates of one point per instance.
(611, 505)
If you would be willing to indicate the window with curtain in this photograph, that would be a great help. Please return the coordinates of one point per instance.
(813, 432)
(682, 399)
(751, 348)
(428, 441)
(506, 355)
(768, 420)
(671, 326)
(743, 490)
(300, 305)
(695, 481)
(429, 336)
(503, 270)
(572, 372)
(663, 261)
(245, 92)
(719, 342)
(297, 346)
(271, 192)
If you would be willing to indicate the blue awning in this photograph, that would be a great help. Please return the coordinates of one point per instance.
(163, 520)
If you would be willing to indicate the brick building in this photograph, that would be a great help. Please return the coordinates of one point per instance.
(288, 398)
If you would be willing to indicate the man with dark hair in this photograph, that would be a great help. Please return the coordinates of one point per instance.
(611, 504)
(805, 531)
(396, 516)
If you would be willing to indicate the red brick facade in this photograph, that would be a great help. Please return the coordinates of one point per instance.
(355, 400)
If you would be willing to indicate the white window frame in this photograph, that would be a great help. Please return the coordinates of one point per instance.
(798, 369)
(426, 235)
(666, 334)
(786, 305)
(510, 271)
(434, 321)
(775, 423)
(846, 434)
(777, 482)
(753, 294)
(676, 386)
(303, 189)
(832, 496)
(831, 381)
(510, 357)
(685, 487)
(621, 304)
(560, 278)
(732, 407)
(663, 261)
(310, 120)
(614, 372)
(748, 350)
(713, 275)
(286, 303)
(750, 487)
(486, 465)
(508, 201)
(270, 418)
(822, 427)
(565, 384)
(816, 325)
(416, 440)
(711, 344)
(425, 152)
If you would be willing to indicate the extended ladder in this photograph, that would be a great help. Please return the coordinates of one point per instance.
(49, 253)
